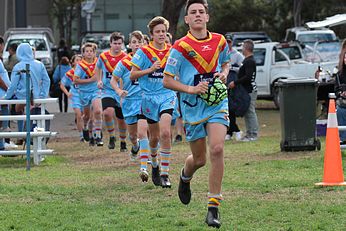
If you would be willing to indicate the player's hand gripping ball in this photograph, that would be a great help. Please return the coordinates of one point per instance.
(217, 92)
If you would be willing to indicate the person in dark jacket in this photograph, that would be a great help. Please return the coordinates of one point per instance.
(340, 92)
(247, 77)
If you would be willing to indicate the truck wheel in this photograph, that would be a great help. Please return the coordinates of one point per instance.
(276, 98)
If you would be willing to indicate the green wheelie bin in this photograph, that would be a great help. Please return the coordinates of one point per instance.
(298, 114)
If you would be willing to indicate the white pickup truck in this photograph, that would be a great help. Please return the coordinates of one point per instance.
(282, 61)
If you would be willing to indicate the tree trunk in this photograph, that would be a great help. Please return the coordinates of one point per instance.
(171, 11)
(297, 8)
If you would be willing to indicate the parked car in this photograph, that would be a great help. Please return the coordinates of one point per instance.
(282, 61)
(39, 38)
(309, 37)
(255, 36)
(100, 39)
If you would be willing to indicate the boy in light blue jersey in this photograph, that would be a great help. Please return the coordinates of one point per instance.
(131, 99)
(73, 94)
(197, 58)
(4, 84)
(157, 102)
(39, 81)
(90, 94)
(110, 100)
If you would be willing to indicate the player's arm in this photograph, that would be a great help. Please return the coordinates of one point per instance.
(222, 75)
(98, 77)
(170, 83)
(117, 87)
(78, 80)
(63, 87)
(136, 73)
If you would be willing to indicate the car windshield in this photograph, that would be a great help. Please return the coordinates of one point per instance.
(323, 51)
(312, 38)
(38, 44)
(292, 52)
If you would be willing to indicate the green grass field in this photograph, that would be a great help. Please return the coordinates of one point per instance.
(84, 188)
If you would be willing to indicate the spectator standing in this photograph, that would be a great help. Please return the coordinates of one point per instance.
(39, 85)
(340, 91)
(2, 45)
(12, 58)
(4, 84)
(59, 72)
(247, 77)
(235, 63)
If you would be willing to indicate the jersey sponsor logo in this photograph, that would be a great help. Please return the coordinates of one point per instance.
(206, 47)
(172, 61)
(156, 74)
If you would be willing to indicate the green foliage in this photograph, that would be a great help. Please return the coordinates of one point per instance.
(273, 17)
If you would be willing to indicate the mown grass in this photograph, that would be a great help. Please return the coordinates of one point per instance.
(85, 188)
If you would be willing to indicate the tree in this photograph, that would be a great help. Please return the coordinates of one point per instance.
(171, 11)
(65, 11)
(297, 9)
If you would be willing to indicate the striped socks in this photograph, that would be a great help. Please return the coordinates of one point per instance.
(153, 152)
(165, 159)
(110, 128)
(90, 127)
(97, 128)
(122, 135)
(214, 200)
(144, 152)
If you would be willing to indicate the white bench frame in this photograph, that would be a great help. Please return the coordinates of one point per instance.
(38, 137)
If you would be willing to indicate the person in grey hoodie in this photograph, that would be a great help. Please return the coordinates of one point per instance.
(39, 79)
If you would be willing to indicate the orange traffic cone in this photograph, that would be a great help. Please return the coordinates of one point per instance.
(333, 174)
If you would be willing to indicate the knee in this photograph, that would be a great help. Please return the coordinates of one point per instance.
(133, 137)
(97, 112)
(165, 134)
(216, 151)
(154, 140)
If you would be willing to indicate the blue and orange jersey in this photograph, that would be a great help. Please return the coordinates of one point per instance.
(190, 59)
(123, 71)
(85, 70)
(107, 62)
(144, 59)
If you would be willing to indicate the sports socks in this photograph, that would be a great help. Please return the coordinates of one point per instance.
(90, 128)
(122, 135)
(165, 159)
(154, 161)
(110, 128)
(97, 128)
(185, 178)
(144, 152)
(214, 200)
